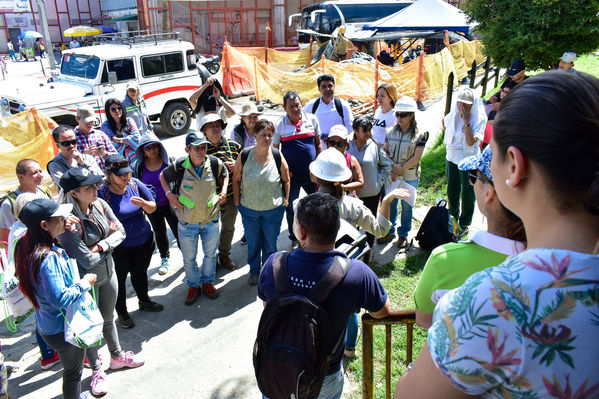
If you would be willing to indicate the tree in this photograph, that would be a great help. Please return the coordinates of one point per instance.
(536, 31)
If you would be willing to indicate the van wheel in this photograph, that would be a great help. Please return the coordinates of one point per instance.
(175, 119)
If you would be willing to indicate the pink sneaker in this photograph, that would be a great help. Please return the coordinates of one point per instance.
(99, 385)
(126, 359)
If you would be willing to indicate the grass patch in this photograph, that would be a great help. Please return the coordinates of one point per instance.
(433, 183)
(399, 278)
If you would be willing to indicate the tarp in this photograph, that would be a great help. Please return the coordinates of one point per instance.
(424, 15)
(24, 135)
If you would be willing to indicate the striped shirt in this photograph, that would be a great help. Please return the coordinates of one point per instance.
(94, 138)
(297, 142)
(225, 150)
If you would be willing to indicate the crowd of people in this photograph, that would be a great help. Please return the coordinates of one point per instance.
(118, 186)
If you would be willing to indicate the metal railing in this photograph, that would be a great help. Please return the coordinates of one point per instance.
(407, 317)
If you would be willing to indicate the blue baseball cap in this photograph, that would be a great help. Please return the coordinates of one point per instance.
(480, 162)
(517, 67)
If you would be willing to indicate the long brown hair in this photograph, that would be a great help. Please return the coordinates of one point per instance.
(30, 251)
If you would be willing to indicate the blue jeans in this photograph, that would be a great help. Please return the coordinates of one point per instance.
(297, 182)
(188, 240)
(332, 386)
(262, 229)
(351, 336)
(406, 214)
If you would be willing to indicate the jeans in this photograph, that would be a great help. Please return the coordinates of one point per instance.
(297, 182)
(46, 351)
(189, 234)
(106, 293)
(157, 218)
(71, 358)
(134, 260)
(459, 186)
(332, 386)
(228, 214)
(351, 336)
(262, 229)
(406, 214)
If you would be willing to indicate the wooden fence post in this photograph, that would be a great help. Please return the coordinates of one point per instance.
(473, 74)
(449, 93)
(486, 78)
(256, 79)
(367, 364)
(376, 82)
(420, 77)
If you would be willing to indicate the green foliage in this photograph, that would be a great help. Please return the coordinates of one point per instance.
(536, 31)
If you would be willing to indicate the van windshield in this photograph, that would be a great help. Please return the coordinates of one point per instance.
(81, 66)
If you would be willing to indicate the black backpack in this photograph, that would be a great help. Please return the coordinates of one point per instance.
(294, 346)
(437, 228)
(338, 106)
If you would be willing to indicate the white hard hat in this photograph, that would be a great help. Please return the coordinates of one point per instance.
(405, 104)
(330, 165)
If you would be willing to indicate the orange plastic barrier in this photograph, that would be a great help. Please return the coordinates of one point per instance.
(24, 135)
(270, 73)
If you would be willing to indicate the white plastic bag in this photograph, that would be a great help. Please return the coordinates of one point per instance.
(83, 321)
(17, 307)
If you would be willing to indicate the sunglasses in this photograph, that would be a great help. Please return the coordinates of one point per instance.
(473, 177)
(402, 114)
(68, 143)
(118, 165)
(335, 143)
(114, 109)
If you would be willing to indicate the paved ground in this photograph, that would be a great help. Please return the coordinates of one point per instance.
(199, 351)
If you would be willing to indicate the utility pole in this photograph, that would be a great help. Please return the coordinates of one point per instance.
(48, 42)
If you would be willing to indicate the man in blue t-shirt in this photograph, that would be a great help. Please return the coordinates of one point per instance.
(297, 134)
(316, 225)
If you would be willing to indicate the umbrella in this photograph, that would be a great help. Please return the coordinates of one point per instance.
(106, 29)
(31, 34)
(82, 31)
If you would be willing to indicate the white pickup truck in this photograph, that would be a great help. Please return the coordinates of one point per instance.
(165, 69)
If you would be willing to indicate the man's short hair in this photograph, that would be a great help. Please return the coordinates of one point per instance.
(60, 129)
(319, 214)
(290, 95)
(21, 168)
(324, 78)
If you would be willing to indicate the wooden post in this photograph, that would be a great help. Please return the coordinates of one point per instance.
(447, 39)
(497, 70)
(388, 360)
(256, 79)
(449, 93)
(266, 44)
(409, 343)
(420, 77)
(367, 361)
(309, 54)
(486, 77)
(376, 82)
(473, 74)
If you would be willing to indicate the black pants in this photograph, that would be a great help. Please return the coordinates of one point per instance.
(134, 260)
(71, 358)
(371, 203)
(157, 218)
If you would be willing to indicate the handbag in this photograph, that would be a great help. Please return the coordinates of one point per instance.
(17, 307)
(83, 321)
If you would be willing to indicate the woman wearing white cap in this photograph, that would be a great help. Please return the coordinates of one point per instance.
(464, 129)
(338, 139)
(405, 145)
(43, 271)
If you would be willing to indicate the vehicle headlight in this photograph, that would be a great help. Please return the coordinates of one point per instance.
(4, 106)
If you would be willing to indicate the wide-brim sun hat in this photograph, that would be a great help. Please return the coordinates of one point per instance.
(212, 118)
(330, 165)
(249, 109)
(480, 162)
(405, 104)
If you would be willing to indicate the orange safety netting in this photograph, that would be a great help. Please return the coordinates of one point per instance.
(271, 72)
(24, 135)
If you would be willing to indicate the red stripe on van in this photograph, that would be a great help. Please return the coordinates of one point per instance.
(168, 90)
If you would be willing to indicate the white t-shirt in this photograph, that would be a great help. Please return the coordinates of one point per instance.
(328, 116)
(382, 123)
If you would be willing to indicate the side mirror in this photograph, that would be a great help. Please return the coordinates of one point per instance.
(112, 79)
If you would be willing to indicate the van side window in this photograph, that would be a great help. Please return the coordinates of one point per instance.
(123, 67)
(160, 64)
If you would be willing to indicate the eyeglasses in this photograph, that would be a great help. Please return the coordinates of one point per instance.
(335, 143)
(68, 143)
(114, 109)
(403, 114)
(473, 177)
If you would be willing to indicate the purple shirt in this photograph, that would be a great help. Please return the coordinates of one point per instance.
(131, 216)
(152, 178)
(360, 288)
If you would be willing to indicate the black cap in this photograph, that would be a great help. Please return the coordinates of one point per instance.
(77, 177)
(117, 165)
(195, 138)
(517, 67)
(42, 209)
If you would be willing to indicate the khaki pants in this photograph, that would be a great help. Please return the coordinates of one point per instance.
(228, 214)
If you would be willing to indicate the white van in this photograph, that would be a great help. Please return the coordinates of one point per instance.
(164, 67)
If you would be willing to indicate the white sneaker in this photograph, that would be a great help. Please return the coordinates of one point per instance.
(163, 269)
(99, 385)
